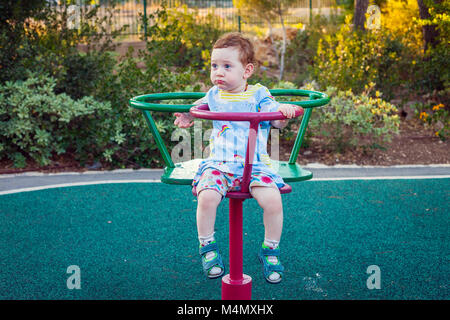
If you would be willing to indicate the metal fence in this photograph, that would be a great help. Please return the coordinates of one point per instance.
(127, 14)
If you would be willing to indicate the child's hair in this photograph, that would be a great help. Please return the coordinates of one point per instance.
(243, 44)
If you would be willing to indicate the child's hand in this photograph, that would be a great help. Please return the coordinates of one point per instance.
(288, 110)
(183, 120)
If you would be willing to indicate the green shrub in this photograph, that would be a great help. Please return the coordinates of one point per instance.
(180, 38)
(37, 123)
(435, 117)
(84, 74)
(354, 121)
(301, 50)
(16, 38)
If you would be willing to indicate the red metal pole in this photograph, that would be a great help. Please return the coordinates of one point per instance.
(236, 247)
(236, 285)
(251, 144)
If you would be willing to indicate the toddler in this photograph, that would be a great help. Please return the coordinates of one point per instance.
(232, 63)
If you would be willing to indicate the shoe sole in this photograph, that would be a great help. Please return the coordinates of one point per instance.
(217, 275)
(268, 280)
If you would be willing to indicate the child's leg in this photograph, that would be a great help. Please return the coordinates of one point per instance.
(208, 201)
(269, 200)
(210, 190)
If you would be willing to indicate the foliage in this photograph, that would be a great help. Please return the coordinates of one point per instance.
(269, 11)
(37, 123)
(129, 80)
(354, 120)
(301, 50)
(353, 59)
(157, 68)
(433, 70)
(15, 41)
(398, 17)
(78, 102)
(435, 117)
(46, 45)
(256, 9)
(179, 39)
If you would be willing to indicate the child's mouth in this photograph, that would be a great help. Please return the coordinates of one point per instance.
(220, 82)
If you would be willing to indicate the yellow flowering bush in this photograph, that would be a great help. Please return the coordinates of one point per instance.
(398, 16)
(351, 60)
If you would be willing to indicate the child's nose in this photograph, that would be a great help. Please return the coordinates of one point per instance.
(220, 71)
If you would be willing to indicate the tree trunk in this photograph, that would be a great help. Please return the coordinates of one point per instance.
(430, 33)
(283, 47)
(360, 14)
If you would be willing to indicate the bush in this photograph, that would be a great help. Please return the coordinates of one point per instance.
(299, 57)
(301, 50)
(16, 38)
(354, 121)
(84, 74)
(353, 59)
(433, 70)
(180, 38)
(37, 123)
(434, 116)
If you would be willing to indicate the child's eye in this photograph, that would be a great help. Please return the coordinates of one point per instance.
(227, 66)
(214, 66)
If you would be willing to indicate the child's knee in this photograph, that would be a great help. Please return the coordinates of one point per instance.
(209, 198)
(273, 207)
(269, 199)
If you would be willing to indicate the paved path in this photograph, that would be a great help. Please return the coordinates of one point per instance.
(11, 183)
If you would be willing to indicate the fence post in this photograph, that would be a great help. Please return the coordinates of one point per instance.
(310, 12)
(145, 20)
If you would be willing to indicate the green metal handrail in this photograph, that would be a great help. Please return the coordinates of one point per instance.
(151, 102)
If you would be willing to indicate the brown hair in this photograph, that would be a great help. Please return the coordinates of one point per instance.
(244, 45)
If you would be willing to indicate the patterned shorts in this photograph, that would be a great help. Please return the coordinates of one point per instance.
(226, 182)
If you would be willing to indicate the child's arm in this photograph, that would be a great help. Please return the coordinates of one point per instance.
(288, 110)
(185, 120)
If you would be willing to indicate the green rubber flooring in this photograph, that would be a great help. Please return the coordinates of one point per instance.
(138, 241)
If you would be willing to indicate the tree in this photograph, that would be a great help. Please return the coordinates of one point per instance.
(256, 9)
(359, 17)
(429, 31)
(269, 11)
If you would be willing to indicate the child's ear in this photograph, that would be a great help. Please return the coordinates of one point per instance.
(248, 71)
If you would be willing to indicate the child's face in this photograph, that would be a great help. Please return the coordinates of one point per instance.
(227, 71)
